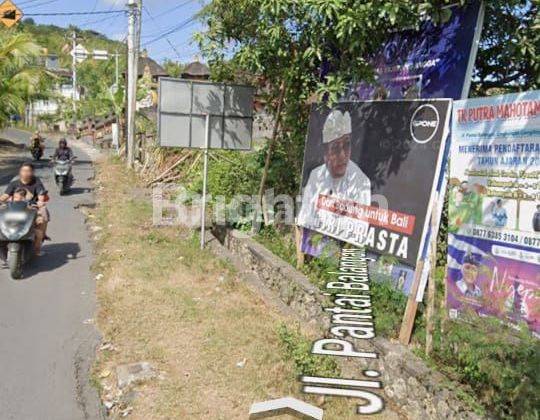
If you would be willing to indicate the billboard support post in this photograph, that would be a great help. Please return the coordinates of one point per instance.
(205, 177)
(410, 311)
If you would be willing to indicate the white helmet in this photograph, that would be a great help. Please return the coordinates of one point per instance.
(337, 124)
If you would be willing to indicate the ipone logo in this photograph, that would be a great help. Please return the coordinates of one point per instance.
(424, 123)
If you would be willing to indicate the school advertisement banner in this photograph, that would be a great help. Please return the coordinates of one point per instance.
(494, 208)
(370, 173)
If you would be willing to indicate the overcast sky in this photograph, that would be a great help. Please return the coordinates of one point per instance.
(159, 17)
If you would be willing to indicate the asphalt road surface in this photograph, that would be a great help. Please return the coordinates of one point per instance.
(47, 335)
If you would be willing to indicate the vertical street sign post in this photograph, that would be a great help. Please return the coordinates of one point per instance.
(204, 115)
(205, 175)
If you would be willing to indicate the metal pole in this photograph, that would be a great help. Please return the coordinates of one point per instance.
(74, 77)
(116, 68)
(205, 176)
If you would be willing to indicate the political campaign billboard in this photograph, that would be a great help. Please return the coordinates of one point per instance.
(494, 208)
(370, 173)
(434, 61)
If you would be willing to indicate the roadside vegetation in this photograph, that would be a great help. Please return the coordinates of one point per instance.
(497, 364)
(217, 346)
(20, 81)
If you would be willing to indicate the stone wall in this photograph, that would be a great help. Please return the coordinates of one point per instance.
(412, 389)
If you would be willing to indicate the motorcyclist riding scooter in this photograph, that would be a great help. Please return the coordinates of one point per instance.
(62, 161)
(36, 146)
(23, 219)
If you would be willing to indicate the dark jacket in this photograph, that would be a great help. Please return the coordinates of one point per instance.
(63, 154)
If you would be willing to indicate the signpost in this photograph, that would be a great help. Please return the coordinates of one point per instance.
(79, 53)
(203, 115)
(100, 54)
(10, 14)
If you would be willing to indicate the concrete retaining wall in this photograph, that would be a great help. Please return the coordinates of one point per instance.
(415, 390)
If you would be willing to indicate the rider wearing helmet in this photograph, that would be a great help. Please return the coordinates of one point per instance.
(63, 152)
(37, 141)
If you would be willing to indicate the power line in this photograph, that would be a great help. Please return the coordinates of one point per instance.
(42, 4)
(93, 9)
(101, 12)
(106, 19)
(155, 23)
(177, 28)
(26, 2)
(174, 8)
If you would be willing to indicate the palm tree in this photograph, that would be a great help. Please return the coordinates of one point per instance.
(20, 78)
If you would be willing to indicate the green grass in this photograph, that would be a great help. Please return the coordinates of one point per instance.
(497, 365)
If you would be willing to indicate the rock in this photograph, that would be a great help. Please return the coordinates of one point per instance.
(443, 410)
(400, 389)
(108, 404)
(128, 398)
(107, 346)
(134, 372)
(126, 412)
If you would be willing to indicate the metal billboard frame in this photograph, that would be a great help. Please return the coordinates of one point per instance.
(222, 117)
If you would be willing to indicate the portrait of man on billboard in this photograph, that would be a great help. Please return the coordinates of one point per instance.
(338, 176)
(469, 274)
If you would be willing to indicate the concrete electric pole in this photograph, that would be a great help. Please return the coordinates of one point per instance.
(133, 41)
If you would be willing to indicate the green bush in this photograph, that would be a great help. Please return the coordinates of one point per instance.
(501, 366)
(298, 349)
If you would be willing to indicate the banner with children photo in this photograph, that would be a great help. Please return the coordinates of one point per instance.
(494, 208)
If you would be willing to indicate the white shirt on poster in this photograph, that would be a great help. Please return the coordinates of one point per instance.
(354, 186)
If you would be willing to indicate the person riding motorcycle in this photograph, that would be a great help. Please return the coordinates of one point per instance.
(63, 152)
(37, 141)
(36, 194)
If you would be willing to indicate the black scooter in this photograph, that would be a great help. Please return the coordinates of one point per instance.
(17, 235)
(62, 170)
(37, 152)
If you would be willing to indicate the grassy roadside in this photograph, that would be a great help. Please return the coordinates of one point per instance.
(218, 346)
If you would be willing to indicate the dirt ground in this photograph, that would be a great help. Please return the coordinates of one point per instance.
(214, 343)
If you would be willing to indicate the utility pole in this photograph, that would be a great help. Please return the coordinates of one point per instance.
(116, 68)
(74, 76)
(133, 39)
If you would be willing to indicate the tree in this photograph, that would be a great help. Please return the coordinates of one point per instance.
(173, 68)
(507, 58)
(298, 51)
(20, 81)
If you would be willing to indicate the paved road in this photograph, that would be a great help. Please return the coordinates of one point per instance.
(47, 336)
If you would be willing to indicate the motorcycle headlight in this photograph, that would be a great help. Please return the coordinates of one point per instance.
(12, 231)
(14, 225)
(15, 217)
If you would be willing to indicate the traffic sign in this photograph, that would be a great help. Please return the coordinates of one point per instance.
(101, 55)
(80, 53)
(10, 14)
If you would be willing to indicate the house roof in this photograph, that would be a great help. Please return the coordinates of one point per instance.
(155, 68)
(196, 69)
